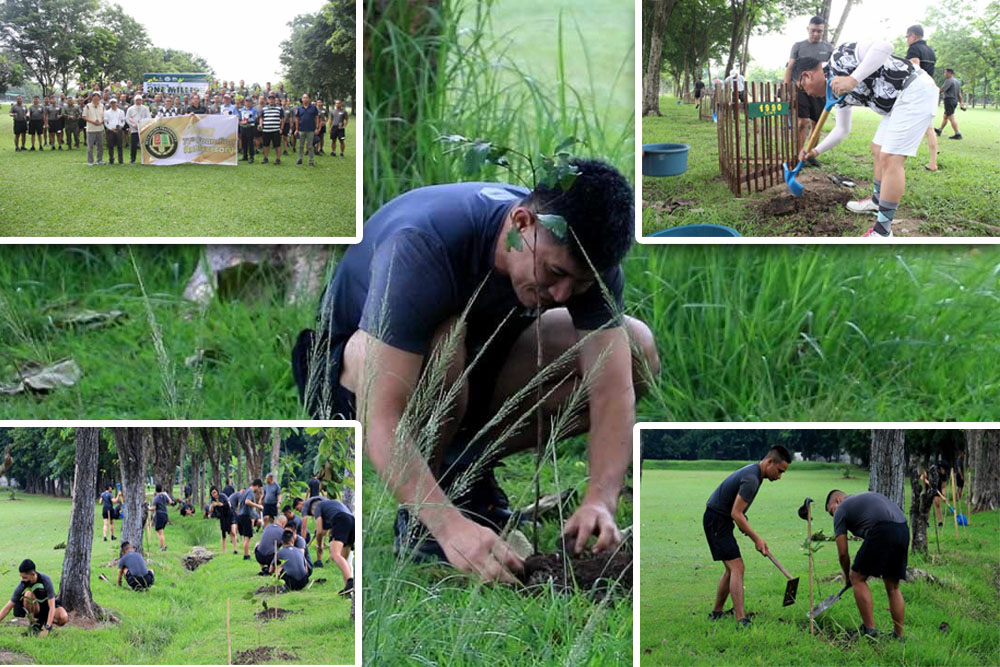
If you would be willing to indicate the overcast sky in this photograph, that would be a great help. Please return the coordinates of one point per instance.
(240, 40)
(870, 20)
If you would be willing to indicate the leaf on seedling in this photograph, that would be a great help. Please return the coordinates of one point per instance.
(513, 240)
(565, 144)
(37, 377)
(555, 224)
(248, 595)
(88, 319)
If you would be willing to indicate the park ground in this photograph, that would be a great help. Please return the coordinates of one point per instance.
(961, 199)
(54, 193)
(433, 614)
(181, 620)
(949, 622)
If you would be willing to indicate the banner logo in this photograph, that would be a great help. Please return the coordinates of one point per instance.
(161, 142)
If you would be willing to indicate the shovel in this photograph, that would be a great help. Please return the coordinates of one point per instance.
(791, 588)
(827, 603)
(793, 185)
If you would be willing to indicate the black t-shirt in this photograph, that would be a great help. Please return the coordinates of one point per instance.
(160, 503)
(328, 511)
(858, 513)
(223, 509)
(423, 257)
(135, 564)
(229, 490)
(745, 482)
(106, 499)
(698, 85)
(200, 109)
(919, 49)
(314, 487)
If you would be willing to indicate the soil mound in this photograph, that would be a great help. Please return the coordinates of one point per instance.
(261, 655)
(603, 574)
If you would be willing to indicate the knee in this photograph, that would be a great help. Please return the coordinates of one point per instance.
(645, 359)
(857, 578)
(736, 568)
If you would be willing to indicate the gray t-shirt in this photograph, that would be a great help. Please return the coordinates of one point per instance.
(744, 482)
(271, 492)
(293, 562)
(859, 512)
(44, 580)
(135, 563)
(821, 51)
(106, 499)
(329, 509)
(950, 88)
(160, 503)
(295, 523)
(339, 117)
(36, 112)
(19, 111)
(246, 510)
(268, 537)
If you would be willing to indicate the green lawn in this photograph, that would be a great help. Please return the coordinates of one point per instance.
(679, 580)
(962, 199)
(431, 614)
(54, 193)
(182, 619)
(247, 339)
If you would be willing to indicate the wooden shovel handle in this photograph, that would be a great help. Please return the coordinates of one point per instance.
(814, 136)
(783, 570)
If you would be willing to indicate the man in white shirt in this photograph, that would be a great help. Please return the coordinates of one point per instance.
(93, 115)
(114, 122)
(136, 113)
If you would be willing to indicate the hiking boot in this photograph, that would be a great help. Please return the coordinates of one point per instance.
(813, 162)
(865, 631)
(937, 131)
(744, 623)
(865, 205)
(348, 589)
(957, 135)
(873, 235)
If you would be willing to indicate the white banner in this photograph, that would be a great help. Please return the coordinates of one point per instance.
(175, 84)
(198, 139)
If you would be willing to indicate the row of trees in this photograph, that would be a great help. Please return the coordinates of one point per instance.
(752, 444)
(319, 55)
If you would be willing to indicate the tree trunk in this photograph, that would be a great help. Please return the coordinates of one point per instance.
(130, 443)
(74, 585)
(252, 442)
(986, 495)
(887, 467)
(840, 24)
(921, 499)
(654, 60)
(180, 461)
(275, 452)
(973, 443)
(739, 13)
(824, 13)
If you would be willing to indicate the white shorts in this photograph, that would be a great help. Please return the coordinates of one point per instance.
(901, 132)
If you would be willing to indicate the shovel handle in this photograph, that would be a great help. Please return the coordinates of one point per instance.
(814, 135)
(783, 570)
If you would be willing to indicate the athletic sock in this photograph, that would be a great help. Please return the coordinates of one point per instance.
(878, 186)
(886, 212)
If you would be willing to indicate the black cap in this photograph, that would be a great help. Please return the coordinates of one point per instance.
(804, 510)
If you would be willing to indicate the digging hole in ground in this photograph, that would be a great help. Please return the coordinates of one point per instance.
(272, 613)
(603, 574)
(261, 655)
(817, 208)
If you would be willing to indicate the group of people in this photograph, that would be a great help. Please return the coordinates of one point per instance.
(266, 121)
(871, 516)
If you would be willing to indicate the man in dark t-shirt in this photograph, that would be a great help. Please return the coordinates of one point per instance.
(699, 90)
(335, 519)
(338, 127)
(951, 93)
(464, 270)
(19, 113)
(270, 538)
(294, 568)
(810, 106)
(108, 511)
(923, 56)
(314, 486)
(882, 525)
(35, 595)
(726, 507)
(160, 517)
(36, 123)
(132, 566)
(246, 502)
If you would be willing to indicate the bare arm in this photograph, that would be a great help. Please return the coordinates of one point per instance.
(845, 558)
(739, 516)
(6, 610)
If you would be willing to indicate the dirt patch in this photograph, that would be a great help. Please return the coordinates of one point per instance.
(197, 557)
(820, 197)
(272, 613)
(262, 654)
(271, 590)
(603, 574)
(9, 658)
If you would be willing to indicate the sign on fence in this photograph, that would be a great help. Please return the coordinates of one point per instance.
(174, 83)
(767, 109)
(199, 139)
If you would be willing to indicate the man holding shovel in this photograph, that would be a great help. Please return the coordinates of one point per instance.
(896, 89)
(726, 507)
(882, 525)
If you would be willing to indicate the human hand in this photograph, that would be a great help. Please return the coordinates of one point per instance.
(474, 548)
(843, 84)
(43, 633)
(761, 546)
(962, 107)
(593, 518)
(803, 156)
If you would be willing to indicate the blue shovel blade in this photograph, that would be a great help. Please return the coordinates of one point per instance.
(794, 186)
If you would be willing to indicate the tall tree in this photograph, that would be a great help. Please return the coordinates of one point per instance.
(44, 34)
(164, 453)
(275, 451)
(654, 56)
(887, 468)
(131, 445)
(74, 585)
(922, 495)
(252, 442)
(311, 65)
(11, 73)
(984, 454)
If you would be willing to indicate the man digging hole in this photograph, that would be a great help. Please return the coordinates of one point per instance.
(882, 525)
(726, 507)
(35, 595)
(466, 269)
(896, 89)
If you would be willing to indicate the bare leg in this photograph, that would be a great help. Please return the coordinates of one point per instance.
(735, 568)
(932, 146)
(954, 123)
(106, 529)
(722, 592)
(246, 546)
(863, 598)
(893, 177)
(337, 556)
(163, 543)
(896, 605)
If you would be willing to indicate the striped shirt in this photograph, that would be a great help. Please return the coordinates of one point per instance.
(271, 116)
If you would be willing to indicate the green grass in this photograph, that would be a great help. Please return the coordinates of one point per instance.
(819, 333)
(54, 193)
(182, 619)
(430, 614)
(248, 339)
(962, 199)
(679, 580)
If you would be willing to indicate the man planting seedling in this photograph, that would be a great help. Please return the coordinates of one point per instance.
(35, 595)
(429, 327)
(896, 89)
(132, 566)
(726, 507)
(882, 525)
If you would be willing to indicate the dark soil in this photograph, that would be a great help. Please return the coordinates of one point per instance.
(198, 557)
(272, 613)
(820, 209)
(602, 574)
(262, 654)
(274, 590)
(8, 658)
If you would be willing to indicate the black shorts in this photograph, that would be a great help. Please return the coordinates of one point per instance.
(338, 133)
(20, 127)
(883, 553)
(244, 525)
(108, 513)
(697, 93)
(949, 106)
(810, 107)
(321, 131)
(57, 125)
(342, 529)
(261, 558)
(225, 524)
(271, 509)
(35, 127)
(139, 583)
(294, 584)
(272, 139)
(719, 532)
(43, 610)
(161, 520)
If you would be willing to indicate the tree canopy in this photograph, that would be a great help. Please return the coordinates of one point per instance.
(319, 56)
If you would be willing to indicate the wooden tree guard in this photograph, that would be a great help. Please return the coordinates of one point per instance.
(752, 149)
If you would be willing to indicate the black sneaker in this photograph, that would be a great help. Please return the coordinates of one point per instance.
(277, 162)
(348, 589)
(264, 161)
(865, 631)
(481, 498)
(32, 148)
(105, 539)
(957, 135)
(251, 160)
(716, 615)
(937, 131)
(898, 637)
(318, 563)
(410, 537)
(113, 538)
(298, 162)
(744, 623)
(247, 557)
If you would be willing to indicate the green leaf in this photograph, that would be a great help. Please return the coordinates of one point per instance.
(555, 224)
(564, 144)
(513, 240)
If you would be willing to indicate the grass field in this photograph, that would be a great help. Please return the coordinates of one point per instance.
(54, 193)
(962, 199)
(430, 614)
(679, 580)
(182, 619)
(245, 370)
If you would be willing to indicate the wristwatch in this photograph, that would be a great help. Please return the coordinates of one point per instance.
(48, 627)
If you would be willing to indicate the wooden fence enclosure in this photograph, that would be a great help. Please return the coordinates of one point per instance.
(756, 135)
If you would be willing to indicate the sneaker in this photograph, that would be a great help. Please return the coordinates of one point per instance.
(744, 623)
(311, 164)
(813, 162)
(32, 148)
(341, 155)
(113, 538)
(411, 537)
(250, 160)
(298, 162)
(52, 148)
(163, 548)
(246, 557)
(898, 637)
(264, 161)
(348, 589)
(872, 234)
(318, 563)
(957, 135)
(105, 539)
(865, 631)
(865, 205)
(235, 552)
(937, 131)
(716, 615)
(277, 162)
(482, 499)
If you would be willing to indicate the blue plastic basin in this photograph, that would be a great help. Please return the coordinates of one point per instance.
(664, 159)
(697, 230)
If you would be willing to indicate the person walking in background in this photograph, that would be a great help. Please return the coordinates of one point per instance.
(922, 55)
(19, 113)
(108, 511)
(810, 106)
(114, 121)
(93, 115)
(305, 127)
(338, 127)
(951, 92)
(160, 517)
(740, 82)
(71, 124)
(699, 90)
